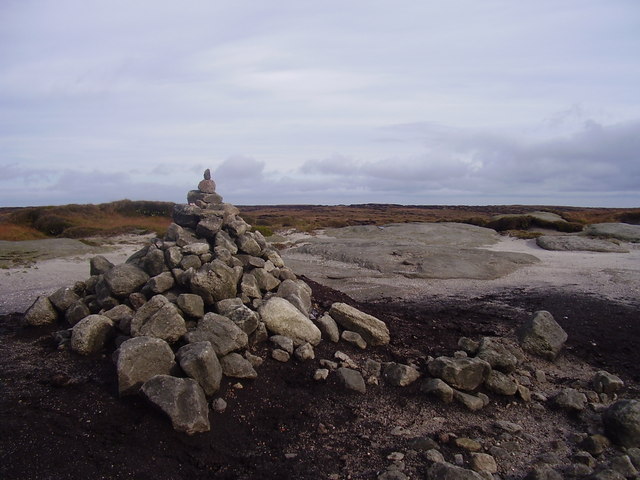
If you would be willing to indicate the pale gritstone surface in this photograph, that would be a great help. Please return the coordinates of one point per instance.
(443, 260)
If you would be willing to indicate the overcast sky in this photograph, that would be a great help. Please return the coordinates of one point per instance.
(324, 102)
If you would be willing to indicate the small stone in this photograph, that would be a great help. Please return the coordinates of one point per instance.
(235, 365)
(282, 342)
(595, 444)
(510, 427)
(354, 338)
(542, 335)
(468, 444)
(395, 456)
(458, 459)
(328, 364)
(280, 355)
(254, 360)
(219, 405)
(329, 328)
(42, 312)
(468, 345)
(622, 423)
(351, 380)
(91, 334)
(524, 393)
(622, 464)
(434, 455)
(320, 374)
(305, 352)
(437, 388)
(471, 402)
(605, 382)
(570, 399)
(400, 375)
(483, 462)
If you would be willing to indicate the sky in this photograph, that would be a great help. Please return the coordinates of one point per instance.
(321, 102)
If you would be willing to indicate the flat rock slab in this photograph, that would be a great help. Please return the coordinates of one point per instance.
(578, 243)
(417, 250)
(621, 231)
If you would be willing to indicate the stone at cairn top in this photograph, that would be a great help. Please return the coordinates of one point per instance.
(206, 194)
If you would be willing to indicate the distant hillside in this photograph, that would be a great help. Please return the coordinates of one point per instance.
(126, 216)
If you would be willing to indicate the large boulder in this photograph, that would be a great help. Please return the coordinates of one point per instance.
(224, 335)
(461, 373)
(91, 334)
(42, 312)
(182, 400)
(298, 293)
(125, 279)
(158, 318)
(214, 281)
(283, 318)
(373, 330)
(542, 335)
(141, 358)
(199, 361)
(622, 423)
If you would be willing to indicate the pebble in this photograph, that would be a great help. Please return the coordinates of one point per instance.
(280, 355)
(219, 405)
(395, 456)
(320, 374)
(468, 444)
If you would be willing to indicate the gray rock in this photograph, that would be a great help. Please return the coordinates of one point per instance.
(305, 352)
(507, 426)
(634, 455)
(595, 444)
(99, 265)
(154, 262)
(542, 336)
(191, 305)
(158, 318)
(622, 423)
(468, 345)
(196, 248)
(622, 231)
(41, 312)
(209, 227)
(607, 474)
(249, 286)
(373, 330)
(266, 282)
(235, 365)
(91, 334)
(199, 361)
(63, 298)
(214, 281)
(320, 374)
(224, 335)
(495, 353)
(182, 400)
(224, 240)
(500, 383)
(280, 355)
(437, 388)
(141, 358)
(447, 471)
(471, 402)
(578, 243)
(605, 382)
(190, 261)
(245, 318)
(160, 283)
(460, 373)
(76, 312)
(392, 474)
(400, 375)
(483, 462)
(623, 465)
(282, 318)
(247, 244)
(543, 472)
(329, 328)
(298, 293)
(219, 405)
(372, 368)
(125, 279)
(173, 256)
(351, 380)
(570, 399)
(354, 338)
(282, 342)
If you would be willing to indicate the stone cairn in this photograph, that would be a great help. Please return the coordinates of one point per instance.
(185, 310)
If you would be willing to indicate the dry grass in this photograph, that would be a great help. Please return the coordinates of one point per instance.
(14, 233)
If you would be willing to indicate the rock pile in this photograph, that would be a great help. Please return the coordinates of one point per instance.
(185, 310)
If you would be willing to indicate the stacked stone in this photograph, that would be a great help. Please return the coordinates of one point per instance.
(197, 299)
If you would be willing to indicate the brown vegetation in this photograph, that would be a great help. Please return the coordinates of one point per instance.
(78, 221)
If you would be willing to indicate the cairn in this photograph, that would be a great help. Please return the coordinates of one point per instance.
(199, 299)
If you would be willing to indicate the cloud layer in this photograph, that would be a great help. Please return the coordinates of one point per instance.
(320, 102)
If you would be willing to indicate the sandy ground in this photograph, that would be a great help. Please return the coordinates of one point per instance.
(615, 276)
